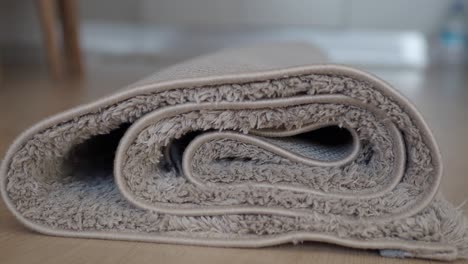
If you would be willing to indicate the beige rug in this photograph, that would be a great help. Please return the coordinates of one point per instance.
(247, 147)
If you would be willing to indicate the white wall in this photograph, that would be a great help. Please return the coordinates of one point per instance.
(420, 15)
(111, 10)
(19, 21)
(244, 12)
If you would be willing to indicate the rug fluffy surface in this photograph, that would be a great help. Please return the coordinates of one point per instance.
(246, 147)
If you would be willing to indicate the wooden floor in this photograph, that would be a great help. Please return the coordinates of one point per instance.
(26, 96)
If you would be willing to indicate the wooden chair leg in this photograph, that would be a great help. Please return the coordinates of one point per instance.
(68, 14)
(47, 13)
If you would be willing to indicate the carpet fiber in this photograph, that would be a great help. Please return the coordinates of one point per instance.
(245, 147)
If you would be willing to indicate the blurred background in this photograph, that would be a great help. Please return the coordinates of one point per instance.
(59, 53)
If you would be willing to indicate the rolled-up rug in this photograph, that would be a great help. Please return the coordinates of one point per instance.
(246, 147)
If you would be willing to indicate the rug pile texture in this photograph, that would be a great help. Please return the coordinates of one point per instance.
(247, 147)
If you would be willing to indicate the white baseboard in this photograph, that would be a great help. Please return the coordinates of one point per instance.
(346, 47)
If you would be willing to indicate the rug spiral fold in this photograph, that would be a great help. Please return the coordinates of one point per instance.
(245, 147)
